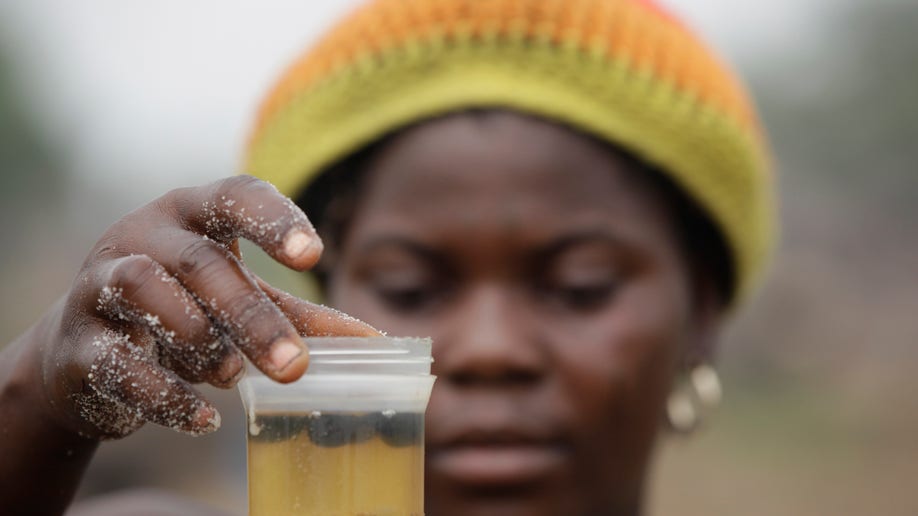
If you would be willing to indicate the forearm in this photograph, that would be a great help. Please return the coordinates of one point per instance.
(41, 462)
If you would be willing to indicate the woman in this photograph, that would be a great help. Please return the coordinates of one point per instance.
(567, 196)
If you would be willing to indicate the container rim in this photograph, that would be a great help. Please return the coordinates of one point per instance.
(366, 355)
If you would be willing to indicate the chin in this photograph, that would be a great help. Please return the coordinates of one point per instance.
(494, 502)
(528, 497)
(554, 497)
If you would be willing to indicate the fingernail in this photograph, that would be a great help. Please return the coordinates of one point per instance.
(231, 369)
(207, 419)
(297, 243)
(283, 352)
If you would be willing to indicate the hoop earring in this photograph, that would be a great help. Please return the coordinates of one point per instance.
(696, 395)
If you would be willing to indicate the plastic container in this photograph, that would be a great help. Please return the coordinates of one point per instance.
(348, 437)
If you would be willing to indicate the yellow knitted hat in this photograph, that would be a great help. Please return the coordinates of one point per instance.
(623, 70)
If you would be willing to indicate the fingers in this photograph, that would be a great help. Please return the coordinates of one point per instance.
(192, 293)
(222, 212)
(240, 310)
(125, 387)
(164, 300)
(137, 290)
(216, 362)
(316, 320)
(246, 207)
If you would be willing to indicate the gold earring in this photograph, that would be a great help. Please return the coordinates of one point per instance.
(706, 384)
(680, 412)
(694, 397)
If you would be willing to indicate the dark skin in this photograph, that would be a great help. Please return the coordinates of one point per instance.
(550, 278)
(547, 272)
(155, 308)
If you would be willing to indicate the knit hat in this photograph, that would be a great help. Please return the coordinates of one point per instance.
(624, 70)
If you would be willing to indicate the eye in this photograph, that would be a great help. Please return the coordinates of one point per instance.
(582, 297)
(405, 299)
(582, 275)
(409, 297)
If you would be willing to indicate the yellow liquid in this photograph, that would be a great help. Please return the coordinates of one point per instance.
(297, 469)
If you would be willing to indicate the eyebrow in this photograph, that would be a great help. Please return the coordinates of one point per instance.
(401, 242)
(567, 241)
(553, 246)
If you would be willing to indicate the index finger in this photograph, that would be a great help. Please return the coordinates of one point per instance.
(316, 320)
(246, 207)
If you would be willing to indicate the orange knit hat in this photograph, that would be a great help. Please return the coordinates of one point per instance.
(623, 70)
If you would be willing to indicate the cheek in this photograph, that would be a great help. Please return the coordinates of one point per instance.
(620, 375)
(625, 356)
(616, 370)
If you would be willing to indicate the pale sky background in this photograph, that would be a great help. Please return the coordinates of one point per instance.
(145, 96)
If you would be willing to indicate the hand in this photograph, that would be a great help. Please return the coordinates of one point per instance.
(164, 301)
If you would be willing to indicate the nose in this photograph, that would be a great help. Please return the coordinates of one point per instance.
(490, 342)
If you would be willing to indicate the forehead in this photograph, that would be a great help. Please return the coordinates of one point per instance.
(504, 171)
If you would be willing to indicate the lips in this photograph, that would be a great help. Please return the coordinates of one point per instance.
(505, 457)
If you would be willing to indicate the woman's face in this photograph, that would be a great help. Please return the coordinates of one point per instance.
(551, 282)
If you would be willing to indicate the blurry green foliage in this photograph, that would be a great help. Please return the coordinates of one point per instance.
(28, 164)
(848, 113)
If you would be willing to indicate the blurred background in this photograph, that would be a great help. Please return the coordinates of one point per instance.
(106, 104)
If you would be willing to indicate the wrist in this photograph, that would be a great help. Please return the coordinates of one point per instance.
(30, 384)
(43, 459)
